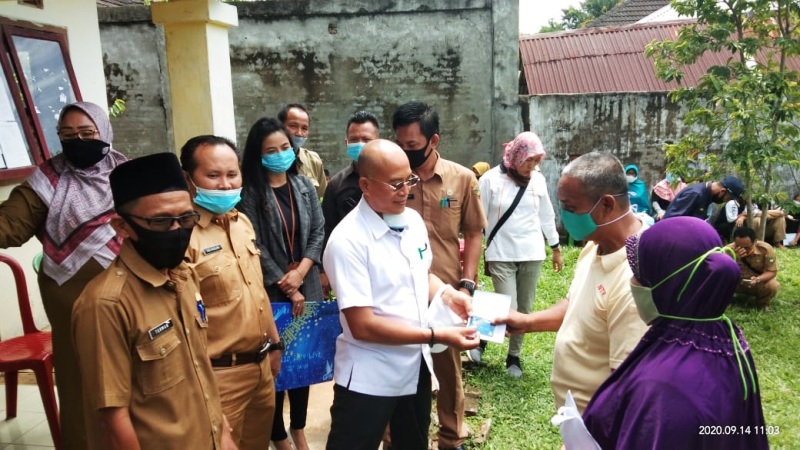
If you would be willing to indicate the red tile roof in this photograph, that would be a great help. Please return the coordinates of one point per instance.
(597, 60)
(593, 60)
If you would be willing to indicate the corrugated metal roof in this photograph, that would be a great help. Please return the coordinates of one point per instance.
(597, 60)
(630, 11)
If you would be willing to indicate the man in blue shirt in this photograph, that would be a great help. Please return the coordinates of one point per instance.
(695, 199)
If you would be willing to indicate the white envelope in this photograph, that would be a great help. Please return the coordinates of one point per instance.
(573, 430)
(486, 307)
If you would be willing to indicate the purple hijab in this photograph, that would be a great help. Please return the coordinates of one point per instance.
(683, 379)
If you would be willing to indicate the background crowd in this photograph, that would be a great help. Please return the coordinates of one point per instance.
(159, 275)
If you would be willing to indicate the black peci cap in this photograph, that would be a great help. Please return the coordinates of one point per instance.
(148, 175)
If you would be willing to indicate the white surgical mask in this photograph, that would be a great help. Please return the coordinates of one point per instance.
(643, 297)
(396, 222)
(298, 141)
(630, 178)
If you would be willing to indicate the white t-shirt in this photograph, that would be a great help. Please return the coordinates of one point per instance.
(601, 326)
(370, 265)
(520, 238)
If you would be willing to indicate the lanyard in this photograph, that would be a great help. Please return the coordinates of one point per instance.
(290, 237)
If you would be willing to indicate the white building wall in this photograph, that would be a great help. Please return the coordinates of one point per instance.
(79, 17)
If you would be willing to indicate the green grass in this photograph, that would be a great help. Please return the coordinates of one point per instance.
(520, 409)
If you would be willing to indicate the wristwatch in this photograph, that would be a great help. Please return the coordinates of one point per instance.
(468, 285)
(276, 346)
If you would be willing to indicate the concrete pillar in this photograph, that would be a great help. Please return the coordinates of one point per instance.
(199, 66)
(506, 111)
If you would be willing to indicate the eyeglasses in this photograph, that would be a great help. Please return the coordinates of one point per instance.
(165, 223)
(411, 181)
(83, 135)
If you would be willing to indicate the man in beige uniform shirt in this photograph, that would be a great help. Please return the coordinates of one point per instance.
(759, 265)
(139, 327)
(243, 341)
(295, 118)
(598, 324)
(449, 202)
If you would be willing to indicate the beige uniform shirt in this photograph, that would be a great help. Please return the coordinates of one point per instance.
(22, 215)
(311, 166)
(142, 345)
(449, 203)
(763, 259)
(224, 255)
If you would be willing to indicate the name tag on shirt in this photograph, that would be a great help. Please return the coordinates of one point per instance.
(160, 329)
(212, 249)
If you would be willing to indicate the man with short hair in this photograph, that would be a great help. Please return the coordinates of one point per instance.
(695, 199)
(243, 342)
(448, 199)
(597, 323)
(392, 310)
(343, 192)
(139, 327)
(296, 119)
(759, 265)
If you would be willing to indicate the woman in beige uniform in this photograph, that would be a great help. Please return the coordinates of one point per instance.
(66, 203)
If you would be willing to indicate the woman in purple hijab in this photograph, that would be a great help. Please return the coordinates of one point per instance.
(691, 382)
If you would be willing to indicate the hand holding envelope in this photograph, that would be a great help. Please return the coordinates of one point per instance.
(573, 430)
(486, 307)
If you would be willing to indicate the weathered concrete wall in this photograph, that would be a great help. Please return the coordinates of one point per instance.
(133, 59)
(338, 57)
(634, 127)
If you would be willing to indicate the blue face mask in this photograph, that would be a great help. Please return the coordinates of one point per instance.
(298, 141)
(354, 150)
(579, 226)
(218, 201)
(278, 162)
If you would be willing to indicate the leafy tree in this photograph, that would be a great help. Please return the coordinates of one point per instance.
(573, 18)
(743, 115)
(552, 25)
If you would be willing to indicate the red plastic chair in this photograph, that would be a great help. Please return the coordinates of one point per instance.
(33, 350)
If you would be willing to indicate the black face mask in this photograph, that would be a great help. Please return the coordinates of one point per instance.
(417, 158)
(83, 154)
(719, 198)
(162, 249)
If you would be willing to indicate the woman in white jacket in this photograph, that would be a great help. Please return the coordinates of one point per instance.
(516, 251)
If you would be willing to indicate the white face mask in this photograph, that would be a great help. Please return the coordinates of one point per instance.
(630, 178)
(796, 203)
(643, 297)
(396, 222)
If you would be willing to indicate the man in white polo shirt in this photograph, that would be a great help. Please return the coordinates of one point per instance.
(378, 260)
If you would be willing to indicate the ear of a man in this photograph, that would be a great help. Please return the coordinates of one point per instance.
(120, 226)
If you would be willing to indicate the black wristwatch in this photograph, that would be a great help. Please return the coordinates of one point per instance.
(276, 346)
(468, 285)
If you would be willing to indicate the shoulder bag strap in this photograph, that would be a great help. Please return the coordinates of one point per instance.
(506, 215)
